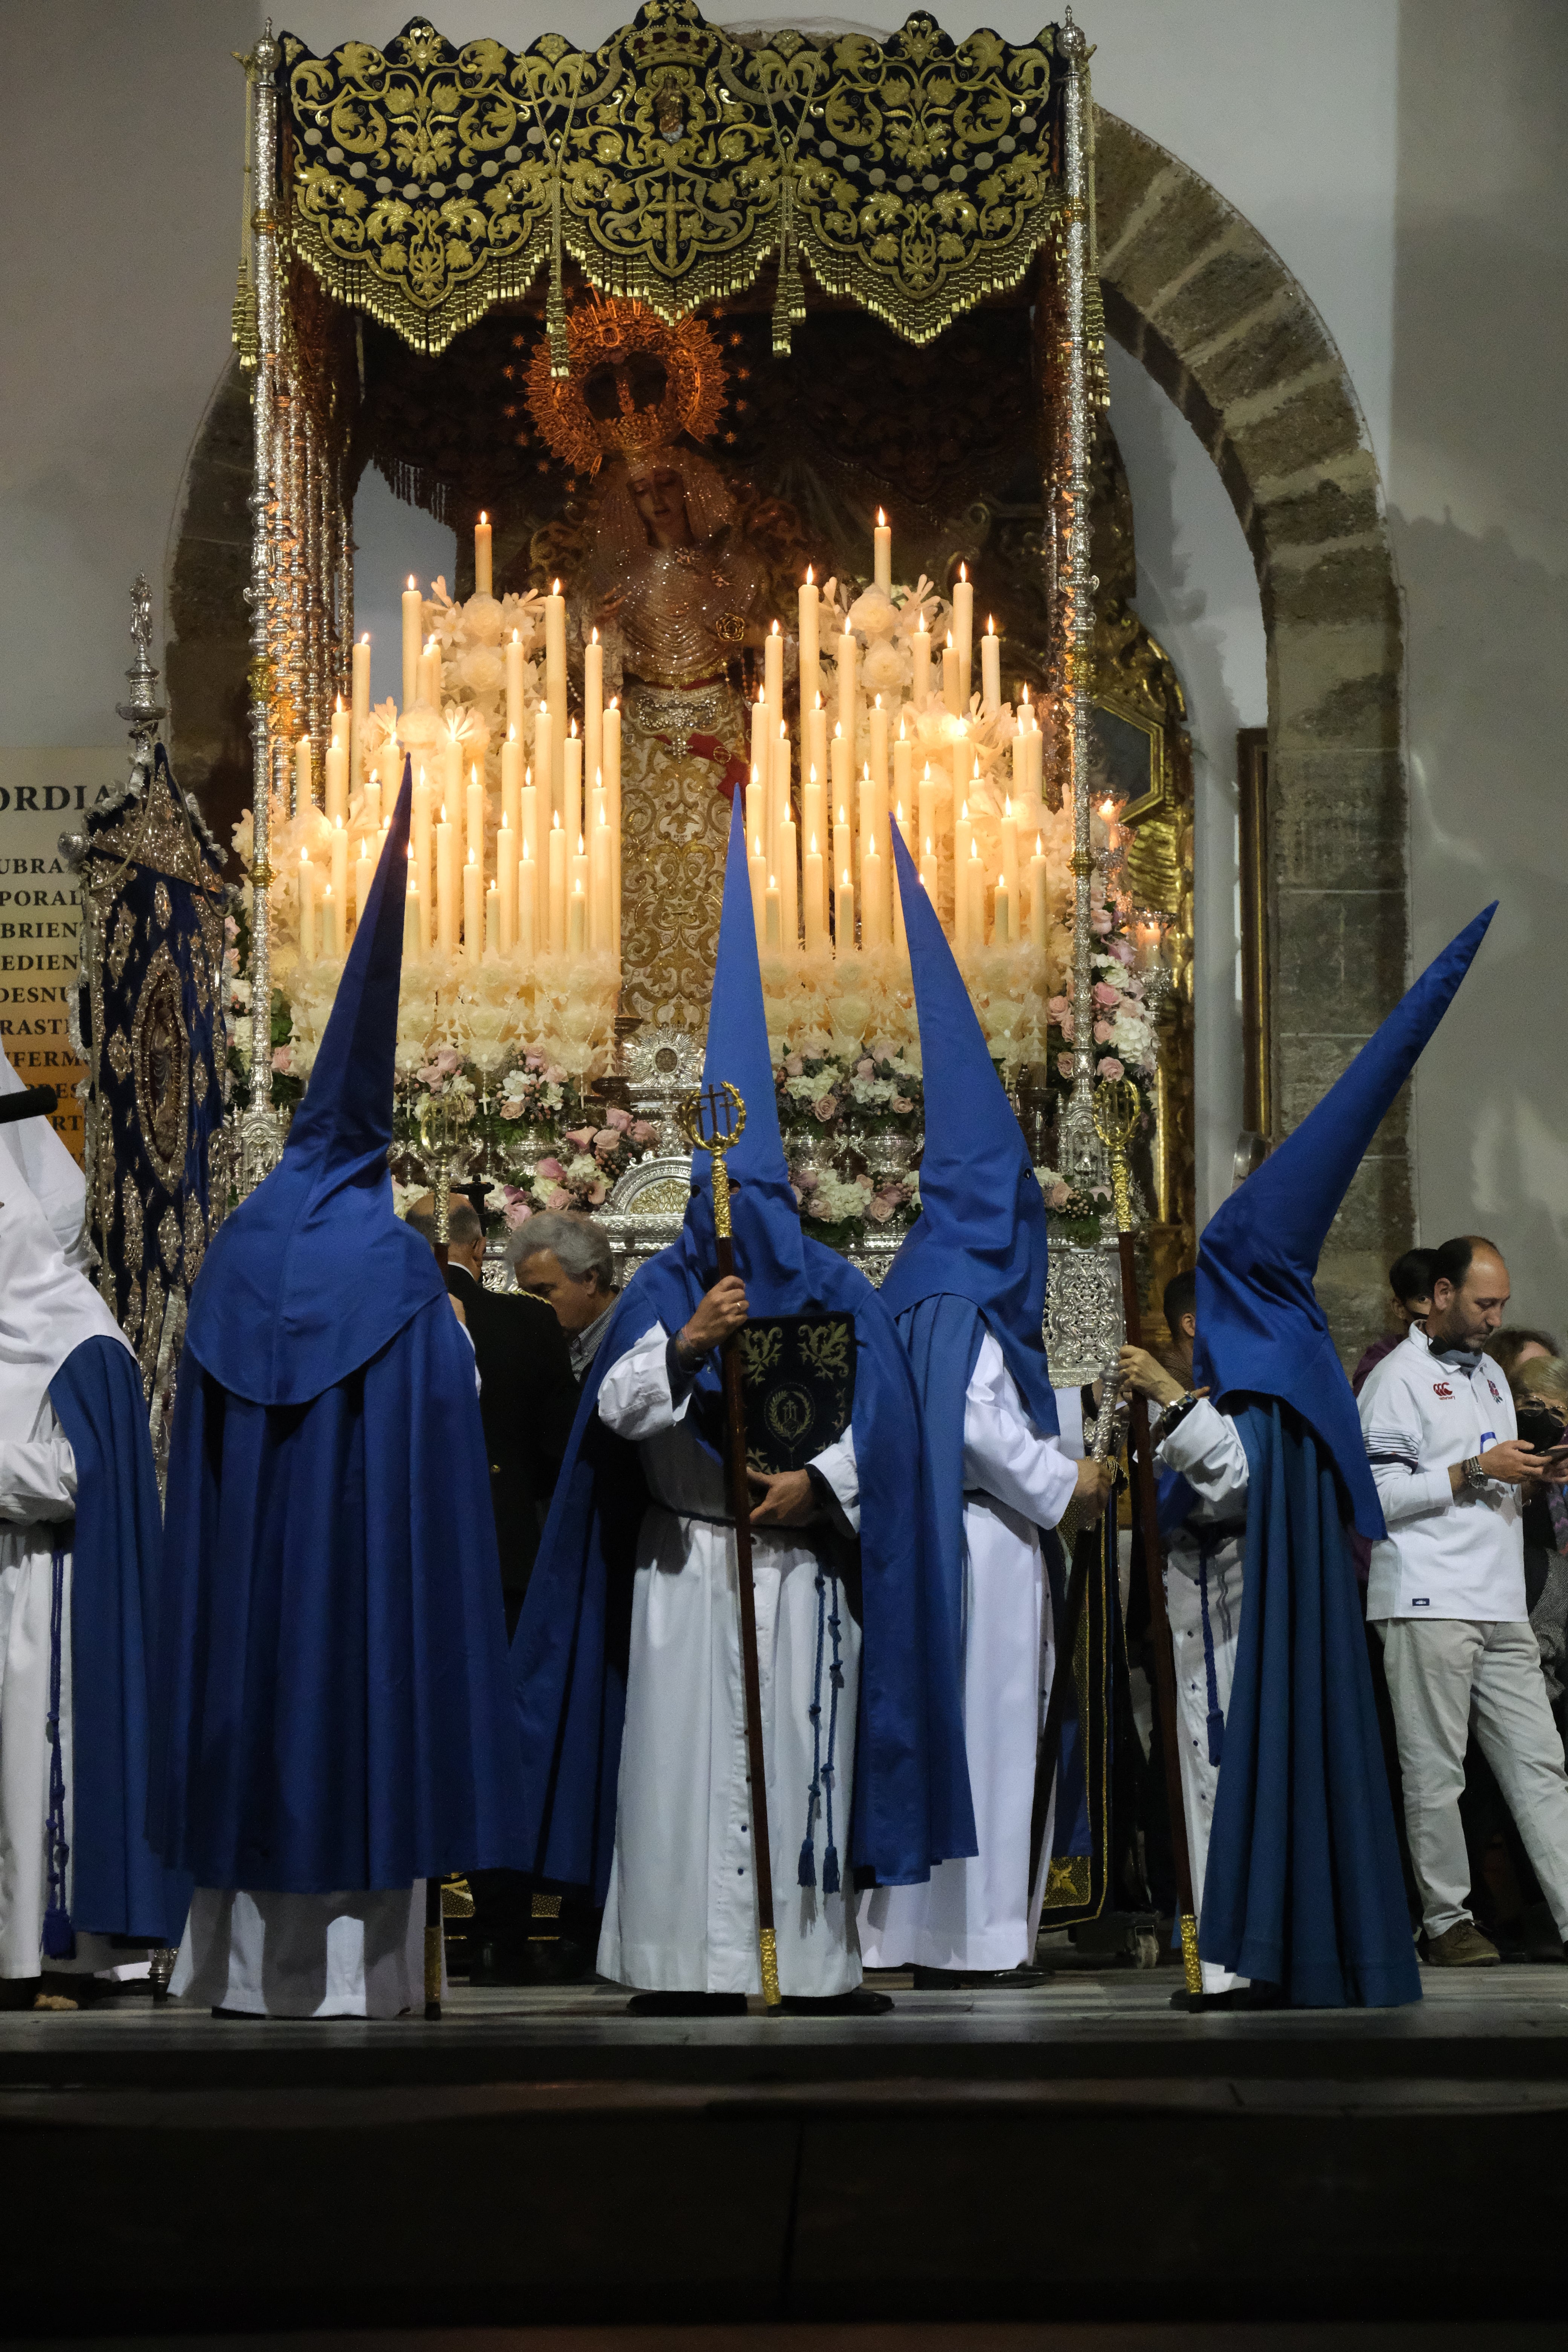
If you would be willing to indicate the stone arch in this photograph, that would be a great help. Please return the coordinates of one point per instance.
(1196, 294)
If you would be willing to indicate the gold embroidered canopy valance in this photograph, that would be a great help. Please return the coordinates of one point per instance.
(425, 182)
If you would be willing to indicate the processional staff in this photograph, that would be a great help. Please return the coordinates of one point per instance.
(713, 1120)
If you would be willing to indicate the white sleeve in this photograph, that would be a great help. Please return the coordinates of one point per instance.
(1391, 1424)
(1205, 1446)
(634, 1396)
(1004, 1454)
(37, 1480)
(838, 1465)
(1069, 1422)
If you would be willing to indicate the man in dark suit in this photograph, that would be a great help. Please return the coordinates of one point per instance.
(527, 1400)
(527, 1393)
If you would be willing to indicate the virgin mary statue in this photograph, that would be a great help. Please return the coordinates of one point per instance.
(677, 588)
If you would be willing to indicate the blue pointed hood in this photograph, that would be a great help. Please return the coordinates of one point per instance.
(1261, 1331)
(982, 1232)
(770, 1248)
(315, 1272)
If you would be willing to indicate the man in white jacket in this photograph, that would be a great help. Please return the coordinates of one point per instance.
(1446, 1593)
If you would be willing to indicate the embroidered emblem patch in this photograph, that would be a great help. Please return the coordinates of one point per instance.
(1497, 1393)
(1441, 1387)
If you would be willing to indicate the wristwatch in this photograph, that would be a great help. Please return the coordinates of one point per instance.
(1474, 1476)
(1172, 1417)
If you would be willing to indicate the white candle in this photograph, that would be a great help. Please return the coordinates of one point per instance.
(557, 884)
(370, 807)
(773, 671)
(810, 658)
(991, 668)
(879, 761)
(772, 920)
(895, 894)
(506, 886)
(421, 829)
(544, 764)
(759, 737)
(413, 642)
(929, 868)
(928, 805)
(429, 681)
(511, 781)
(839, 775)
(950, 675)
(847, 650)
(413, 927)
(446, 886)
(814, 828)
(756, 805)
(451, 787)
(757, 875)
(333, 915)
(903, 767)
(1037, 895)
(577, 914)
(1010, 859)
(339, 857)
(476, 819)
(492, 921)
(963, 632)
(303, 795)
(364, 875)
(307, 906)
(1002, 915)
(962, 842)
(515, 712)
(359, 710)
(871, 930)
(779, 790)
(554, 693)
(882, 554)
(789, 884)
(527, 907)
(813, 739)
(813, 904)
(602, 891)
(613, 810)
(572, 783)
(473, 910)
(843, 842)
(592, 709)
(843, 913)
(919, 686)
(482, 555)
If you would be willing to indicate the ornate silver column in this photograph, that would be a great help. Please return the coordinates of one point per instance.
(1079, 1151)
(260, 1142)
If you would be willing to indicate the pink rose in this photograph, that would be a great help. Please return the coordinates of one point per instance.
(805, 1179)
(516, 1213)
(1058, 1196)
(620, 1120)
(817, 1208)
(579, 1138)
(901, 1106)
(1064, 1064)
(1066, 1025)
(608, 1140)
(282, 1058)
(1102, 1032)
(512, 1109)
(1109, 1067)
(1107, 995)
(824, 1108)
(794, 1064)
(1059, 1008)
(553, 1077)
(532, 1062)
(551, 1168)
(1099, 920)
(559, 1199)
(643, 1132)
(866, 1070)
(445, 1062)
(879, 1208)
(1121, 949)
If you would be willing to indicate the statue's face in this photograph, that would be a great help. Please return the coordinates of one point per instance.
(660, 496)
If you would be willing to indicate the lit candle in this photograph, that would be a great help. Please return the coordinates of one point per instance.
(482, 555)
(446, 886)
(950, 675)
(872, 929)
(759, 737)
(492, 921)
(307, 906)
(359, 710)
(413, 640)
(919, 686)
(843, 842)
(903, 767)
(334, 913)
(810, 657)
(974, 874)
(962, 842)
(506, 886)
(789, 884)
(895, 891)
(848, 649)
(528, 865)
(511, 780)
(514, 705)
(843, 913)
(779, 790)
(928, 868)
(577, 914)
(340, 855)
(813, 739)
(882, 554)
(1037, 895)
(613, 812)
(963, 632)
(544, 763)
(364, 875)
(451, 786)
(773, 922)
(878, 761)
(602, 892)
(302, 792)
(419, 817)
(838, 776)
(429, 682)
(413, 931)
(554, 694)
(757, 875)
(773, 670)
(1010, 859)
(557, 884)
(928, 805)
(592, 708)
(526, 906)
(814, 827)
(1002, 915)
(572, 782)
(370, 808)
(813, 905)
(475, 816)
(473, 910)
(991, 668)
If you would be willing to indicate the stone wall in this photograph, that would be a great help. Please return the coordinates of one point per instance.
(1209, 309)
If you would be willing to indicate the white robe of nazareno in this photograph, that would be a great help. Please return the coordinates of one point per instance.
(983, 1913)
(681, 1912)
(1202, 1577)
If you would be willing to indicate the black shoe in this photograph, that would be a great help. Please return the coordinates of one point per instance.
(976, 1979)
(861, 2003)
(687, 2004)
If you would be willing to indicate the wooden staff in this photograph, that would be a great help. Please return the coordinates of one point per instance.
(1047, 1754)
(435, 1134)
(713, 1120)
(1116, 1110)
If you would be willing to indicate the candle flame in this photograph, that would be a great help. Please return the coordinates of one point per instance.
(1039, 846)
(526, 853)
(409, 852)
(580, 846)
(922, 630)
(756, 773)
(483, 517)
(963, 571)
(544, 707)
(901, 723)
(1108, 808)
(473, 772)
(876, 701)
(772, 881)
(555, 821)
(598, 780)
(443, 812)
(844, 879)
(964, 812)
(950, 641)
(511, 734)
(1007, 805)
(990, 625)
(813, 772)
(838, 730)
(505, 824)
(555, 587)
(515, 638)
(775, 629)
(528, 777)
(974, 852)
(810, 577)
(1001, 882)
(411, 581)
(337, 825)
(340, 706)
(304, 743)
(926, 778)
(572, 728)
(813, 850)
(365, 639)
(882, 520)
(305, 856)
(593, 639)
(1024, 691)
(930, 852)
(975, 779)
(842, 819)
(756, 845)
(329, 889)
(470, 857)
(817, 699)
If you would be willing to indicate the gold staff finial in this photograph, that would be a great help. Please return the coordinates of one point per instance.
(713, 1120)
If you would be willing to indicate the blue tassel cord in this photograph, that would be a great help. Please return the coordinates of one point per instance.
(60, 1936)
(807, 1870)
(823, 1772)
(1215, 1712)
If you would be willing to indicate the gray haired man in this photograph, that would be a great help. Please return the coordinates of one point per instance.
(566, 1261)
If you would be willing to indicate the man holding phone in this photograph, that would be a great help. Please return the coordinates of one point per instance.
(1447, 1591)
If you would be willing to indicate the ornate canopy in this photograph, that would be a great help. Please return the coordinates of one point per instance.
(424, 183)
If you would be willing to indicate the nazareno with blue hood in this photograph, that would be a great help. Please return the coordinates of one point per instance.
(333, 1719)
(968, 1291)
(627, 1658)
(1299, 1888)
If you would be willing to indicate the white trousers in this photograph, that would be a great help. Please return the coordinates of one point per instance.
(1200, 1777)
(1445, 1674)
(345, 1955)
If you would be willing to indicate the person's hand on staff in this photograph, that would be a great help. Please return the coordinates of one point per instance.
(1137, 1368)
(783, 1499)
(1096, 1481)
(722, 1310)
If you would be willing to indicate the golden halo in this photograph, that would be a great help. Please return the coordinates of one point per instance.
(610, 337)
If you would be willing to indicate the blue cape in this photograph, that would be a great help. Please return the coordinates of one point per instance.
(1303, 1887)
(911, 1802)
(982, 1231)
(118, 1886)
(333, 1709)
(1261, 1331)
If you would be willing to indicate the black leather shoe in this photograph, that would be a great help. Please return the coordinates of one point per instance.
(976, 1979)
(861, 2003)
